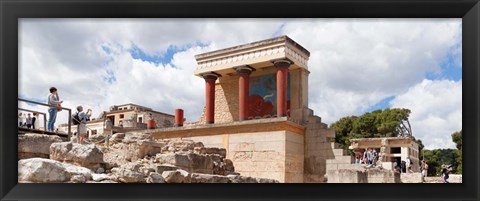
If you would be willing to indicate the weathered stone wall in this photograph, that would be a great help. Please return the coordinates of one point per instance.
(346, 176)
(262, 154)
(318, 150)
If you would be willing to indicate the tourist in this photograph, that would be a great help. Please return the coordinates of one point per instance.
(82, 126)
(370, 156)
(409, 164)
(445, 174)
(403, 166)
(20, 119)
(35, 121)
(365, 160)
(54, 102)
(29, 121)
(358, 156)
(374, 154)
(424, 168)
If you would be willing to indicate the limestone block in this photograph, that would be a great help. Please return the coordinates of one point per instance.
(294, 148)
(293, 137)
(339, 152)
(335, 145)
(129, 173)
(154, 177)
(49, 171)
(242, 156)
(208, 178)
(241, 179)
(177, 176)
(88, 156)
(35, 145)
(179, 160)
(344, 159)
(268, 166)
(346, 176)
(78, 179)
(270, 146)
(211, 150)
(411, 178)
(294, 177)
(331, 167)
(245, 146)
(267, 156)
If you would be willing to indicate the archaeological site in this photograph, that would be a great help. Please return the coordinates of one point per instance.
(256, 127)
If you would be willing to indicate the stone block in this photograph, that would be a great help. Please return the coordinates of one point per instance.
(293, 137)
(411, 178)
(245, 146)
(339, 152)
(267, 156)
(270, 146)
(180, 160)
(241, 156)
(208, 178)
(344, 159)
(346, 176)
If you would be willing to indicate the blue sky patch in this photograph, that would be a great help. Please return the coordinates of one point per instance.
(450, 69)
(32, 99)
(384, 103)
(164, 58)
(110, 77)
(279, 31)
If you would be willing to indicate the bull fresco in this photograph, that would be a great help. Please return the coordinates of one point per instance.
(263, 96)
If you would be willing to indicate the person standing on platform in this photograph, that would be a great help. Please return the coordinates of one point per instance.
(54, 102)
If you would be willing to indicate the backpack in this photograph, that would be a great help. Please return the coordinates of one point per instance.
(75, 119)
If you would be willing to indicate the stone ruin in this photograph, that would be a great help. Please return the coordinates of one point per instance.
(124, 158)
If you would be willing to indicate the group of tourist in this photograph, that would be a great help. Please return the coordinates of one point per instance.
(403, 166)
(369, 157)
(29, 121)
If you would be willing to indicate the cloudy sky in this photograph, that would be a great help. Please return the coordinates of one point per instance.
(356, 65)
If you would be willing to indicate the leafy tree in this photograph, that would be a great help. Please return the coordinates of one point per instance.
(378, 123)
(436, 157)
(457, 138)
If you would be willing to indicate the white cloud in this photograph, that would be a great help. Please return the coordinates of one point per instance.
(354, 63)
(436, 111)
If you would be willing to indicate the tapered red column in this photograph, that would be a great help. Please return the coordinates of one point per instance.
(210, 79)
(282, 76)
(243, 90)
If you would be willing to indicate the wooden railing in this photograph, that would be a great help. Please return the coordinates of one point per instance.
(45, 119)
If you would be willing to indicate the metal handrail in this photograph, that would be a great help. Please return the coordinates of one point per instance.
(42, 113)
(63, 108)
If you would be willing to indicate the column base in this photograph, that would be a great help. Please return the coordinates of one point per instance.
(209, 122)
(243, 119)
(178, 125)
(281, 115)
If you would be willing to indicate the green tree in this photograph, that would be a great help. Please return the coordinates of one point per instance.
(457, 139)
(378, 123)
(436, 157)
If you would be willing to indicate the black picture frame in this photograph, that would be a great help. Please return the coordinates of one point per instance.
(11, 11)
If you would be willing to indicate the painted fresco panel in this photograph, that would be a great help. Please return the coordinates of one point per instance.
(263, 96)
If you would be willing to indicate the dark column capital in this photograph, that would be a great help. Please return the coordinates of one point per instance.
(210, 75)
(244, 69)
(282, 63)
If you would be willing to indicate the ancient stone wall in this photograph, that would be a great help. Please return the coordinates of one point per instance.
(276, 155)
(318, 149)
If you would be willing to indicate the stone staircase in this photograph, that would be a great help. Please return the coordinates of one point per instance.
(341, 161)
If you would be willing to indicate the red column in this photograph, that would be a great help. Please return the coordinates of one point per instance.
(282, 73)
(243, 90)
(178, 117)
(210, 79)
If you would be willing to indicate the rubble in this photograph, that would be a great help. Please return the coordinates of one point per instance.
(130, 158)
